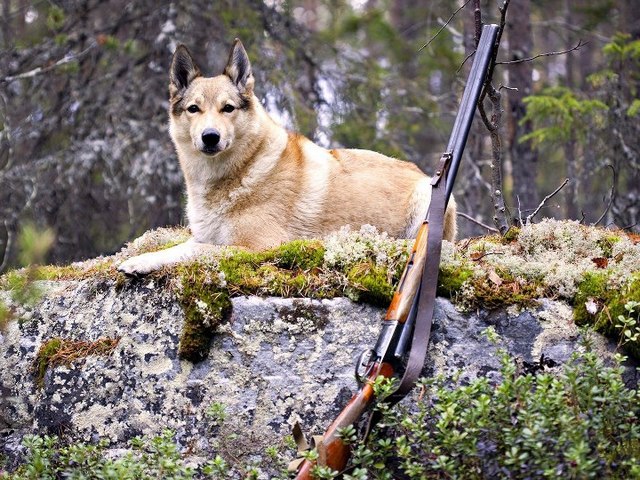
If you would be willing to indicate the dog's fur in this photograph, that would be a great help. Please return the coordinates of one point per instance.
(255, 185)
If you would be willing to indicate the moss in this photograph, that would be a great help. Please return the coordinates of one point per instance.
(490, 295)
(451, 279)
(205, 306)
(610, 303)
(372, 282)
(511, 235)
(302, 254)
(43, 358)
(60, 351)
(17, 279)
(606, 244)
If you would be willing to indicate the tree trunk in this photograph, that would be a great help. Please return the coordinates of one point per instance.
(524, 159)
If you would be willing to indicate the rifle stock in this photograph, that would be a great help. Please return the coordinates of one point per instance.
(332, 451)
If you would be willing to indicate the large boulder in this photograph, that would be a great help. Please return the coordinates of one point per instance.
(274, 361)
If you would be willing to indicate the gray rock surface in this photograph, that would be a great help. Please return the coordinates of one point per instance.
(273, 362)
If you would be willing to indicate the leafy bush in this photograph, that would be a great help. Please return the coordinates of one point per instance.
(583, 423)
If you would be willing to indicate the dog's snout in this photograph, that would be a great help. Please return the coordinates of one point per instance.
(210, 137)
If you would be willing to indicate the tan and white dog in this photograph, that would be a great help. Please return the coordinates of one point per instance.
(252, 184)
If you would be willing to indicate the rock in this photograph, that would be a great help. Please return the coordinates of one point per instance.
(273, 362)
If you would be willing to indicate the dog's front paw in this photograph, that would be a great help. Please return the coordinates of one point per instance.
(140, 265)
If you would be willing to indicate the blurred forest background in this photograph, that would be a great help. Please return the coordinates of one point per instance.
(84, 147)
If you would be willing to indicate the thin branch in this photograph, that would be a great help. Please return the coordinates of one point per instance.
(544, 200)
(478, 222)
(547, 54)
(465, 61)
(443, 26)
(611, 196)
(477, 20)
(519, 211)
(40, 70)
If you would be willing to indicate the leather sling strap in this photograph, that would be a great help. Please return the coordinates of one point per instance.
(426, 297)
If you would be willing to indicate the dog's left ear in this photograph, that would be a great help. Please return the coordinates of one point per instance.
(238, 68)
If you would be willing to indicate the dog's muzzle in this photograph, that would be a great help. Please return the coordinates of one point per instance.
(210, 141)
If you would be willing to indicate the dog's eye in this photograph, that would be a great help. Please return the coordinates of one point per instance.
(193, 108)
(228, 108)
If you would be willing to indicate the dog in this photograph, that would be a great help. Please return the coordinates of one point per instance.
(250, 183)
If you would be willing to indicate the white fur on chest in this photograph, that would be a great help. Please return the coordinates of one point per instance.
(210, 202)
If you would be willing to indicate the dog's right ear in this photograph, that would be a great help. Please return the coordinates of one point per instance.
(183, 70)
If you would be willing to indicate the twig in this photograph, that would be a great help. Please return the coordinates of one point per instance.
(443, 26)
(611, 196)
(478, 222)
(519, 211)
(40, 70)
(485, 254)
(544, 200)
(465, 61)
(547, 54)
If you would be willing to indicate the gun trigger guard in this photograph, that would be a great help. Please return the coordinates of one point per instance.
(364, 360)
(443, 164)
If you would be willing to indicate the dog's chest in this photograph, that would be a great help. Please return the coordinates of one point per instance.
(210, 222)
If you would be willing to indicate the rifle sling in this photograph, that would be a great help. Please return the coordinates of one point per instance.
(428, 282)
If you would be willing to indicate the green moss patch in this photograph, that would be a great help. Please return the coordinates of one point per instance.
(61, 351)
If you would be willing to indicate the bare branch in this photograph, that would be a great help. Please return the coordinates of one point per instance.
(611, 196)
(465, 61)
(70, 57)
(544, 200)
(547, 54)
(443, 26)
(478, 222)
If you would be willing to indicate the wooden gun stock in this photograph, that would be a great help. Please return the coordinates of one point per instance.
(332, 451)
(408, 287)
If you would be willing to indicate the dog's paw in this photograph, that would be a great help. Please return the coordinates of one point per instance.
(140, 265)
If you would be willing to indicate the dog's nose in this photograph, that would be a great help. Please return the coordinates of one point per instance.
(210, 137)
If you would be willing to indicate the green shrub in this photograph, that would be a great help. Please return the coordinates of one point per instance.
(583, 423)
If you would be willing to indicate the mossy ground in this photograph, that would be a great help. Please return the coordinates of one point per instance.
(551, 259)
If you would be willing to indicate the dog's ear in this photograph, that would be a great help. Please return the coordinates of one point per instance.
(238, 68)
(183, 70)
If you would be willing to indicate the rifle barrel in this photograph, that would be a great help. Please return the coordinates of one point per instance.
(470, 98)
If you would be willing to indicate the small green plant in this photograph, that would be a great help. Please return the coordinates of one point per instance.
(348, 435)
(217, 413)
(149, 458)
(628, 325)
(321, 473)
(216, 468)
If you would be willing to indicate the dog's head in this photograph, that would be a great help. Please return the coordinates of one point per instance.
(209, 112)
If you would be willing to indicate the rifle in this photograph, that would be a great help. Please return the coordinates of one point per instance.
(409, 317)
